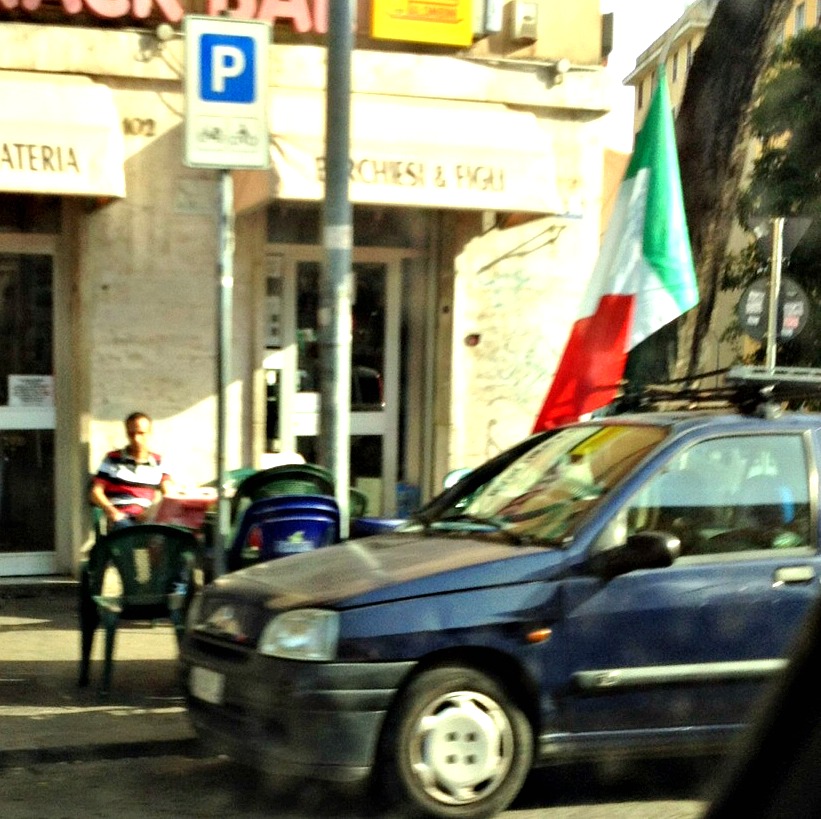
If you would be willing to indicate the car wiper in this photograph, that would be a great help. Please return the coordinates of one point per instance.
(494, 524)
(465, 517)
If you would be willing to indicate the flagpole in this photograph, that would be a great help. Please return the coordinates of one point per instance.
(665, 51)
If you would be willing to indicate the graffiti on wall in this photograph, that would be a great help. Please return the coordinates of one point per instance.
(517, 309)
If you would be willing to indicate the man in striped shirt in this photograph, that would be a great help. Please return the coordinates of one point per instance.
(129, 479)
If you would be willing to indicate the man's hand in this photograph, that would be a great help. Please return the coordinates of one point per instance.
(113, 514)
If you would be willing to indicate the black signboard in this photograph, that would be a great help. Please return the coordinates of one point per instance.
(754, 307)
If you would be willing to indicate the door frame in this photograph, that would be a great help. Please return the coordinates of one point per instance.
(297, 420)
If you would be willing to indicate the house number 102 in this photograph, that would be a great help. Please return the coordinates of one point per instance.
(135, 126)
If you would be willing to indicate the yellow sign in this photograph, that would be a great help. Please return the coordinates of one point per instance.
(443, 22)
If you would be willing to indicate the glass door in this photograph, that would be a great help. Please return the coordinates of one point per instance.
(26, 406)
(293, 417)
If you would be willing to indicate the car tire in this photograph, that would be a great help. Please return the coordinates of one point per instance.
(456, 746)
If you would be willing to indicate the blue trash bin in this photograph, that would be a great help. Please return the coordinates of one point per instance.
(284, 525)
(365, 527)
(407, 499)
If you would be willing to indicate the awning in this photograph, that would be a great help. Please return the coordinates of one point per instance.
(59, 134)
(410, 151)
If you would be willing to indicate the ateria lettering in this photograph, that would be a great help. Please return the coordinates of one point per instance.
(22, 156)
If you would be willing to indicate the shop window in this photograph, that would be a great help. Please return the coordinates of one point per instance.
(294, 224)
(26, 490)
(26, 338)
(25, 318)
(21, 213)
(800, 17)
(373, 226)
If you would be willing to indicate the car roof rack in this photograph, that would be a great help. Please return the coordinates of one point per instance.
(752, 390)
(800, 378)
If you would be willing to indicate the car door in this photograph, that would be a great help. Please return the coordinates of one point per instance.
(692, 644)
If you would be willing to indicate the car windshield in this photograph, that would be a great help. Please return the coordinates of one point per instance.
(544, 494)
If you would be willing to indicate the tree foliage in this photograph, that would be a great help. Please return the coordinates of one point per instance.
(712, 129)
(786, 181)
(786, 119)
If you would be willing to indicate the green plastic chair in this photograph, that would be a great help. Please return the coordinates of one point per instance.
(98, 518)
(295, 479)
(233, 478)
(287, 479)
(358, 503)
(139, 572)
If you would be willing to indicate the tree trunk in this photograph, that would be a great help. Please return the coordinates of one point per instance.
(712, 132)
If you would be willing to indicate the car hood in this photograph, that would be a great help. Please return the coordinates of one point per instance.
(390, 567)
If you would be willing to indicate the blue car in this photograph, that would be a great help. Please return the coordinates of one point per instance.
(621, 586)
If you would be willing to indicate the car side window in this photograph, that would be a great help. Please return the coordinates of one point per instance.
(727, 495)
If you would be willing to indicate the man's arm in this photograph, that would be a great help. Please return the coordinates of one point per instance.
(97, 496)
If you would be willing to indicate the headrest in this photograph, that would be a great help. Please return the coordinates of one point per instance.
(770, 500)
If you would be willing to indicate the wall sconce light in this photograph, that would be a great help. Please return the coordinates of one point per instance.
(165, 32)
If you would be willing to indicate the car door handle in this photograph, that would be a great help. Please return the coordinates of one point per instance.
(793, 574)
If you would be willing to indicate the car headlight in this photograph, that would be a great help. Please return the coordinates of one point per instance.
(303, 634)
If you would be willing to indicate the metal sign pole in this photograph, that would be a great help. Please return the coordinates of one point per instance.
(775, 291)
(225, 296)
(335, 284)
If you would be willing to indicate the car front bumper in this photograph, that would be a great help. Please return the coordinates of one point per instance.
(294, 718)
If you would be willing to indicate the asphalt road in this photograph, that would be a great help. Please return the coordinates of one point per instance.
(175, 786)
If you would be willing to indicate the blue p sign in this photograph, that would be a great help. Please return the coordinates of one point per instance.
(227, 68)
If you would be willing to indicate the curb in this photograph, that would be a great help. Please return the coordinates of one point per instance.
(51, 586)
(17, 758)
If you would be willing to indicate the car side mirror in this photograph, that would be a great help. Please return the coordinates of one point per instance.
(644, 550)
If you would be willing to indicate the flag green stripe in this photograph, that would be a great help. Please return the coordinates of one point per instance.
(666, 244)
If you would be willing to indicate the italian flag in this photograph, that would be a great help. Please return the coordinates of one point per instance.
(643, 278)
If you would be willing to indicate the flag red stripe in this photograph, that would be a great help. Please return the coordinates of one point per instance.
(592, 364)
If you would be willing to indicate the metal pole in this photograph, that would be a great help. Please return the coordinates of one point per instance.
(775, 290)
(224, 319)
(335, 282)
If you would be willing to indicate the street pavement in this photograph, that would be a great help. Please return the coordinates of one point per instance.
(45, 716)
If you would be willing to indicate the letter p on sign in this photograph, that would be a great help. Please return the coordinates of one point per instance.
(227, 68)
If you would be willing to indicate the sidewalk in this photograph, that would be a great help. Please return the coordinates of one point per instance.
(46, 717)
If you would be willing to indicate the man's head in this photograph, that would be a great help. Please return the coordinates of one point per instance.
(138, 430)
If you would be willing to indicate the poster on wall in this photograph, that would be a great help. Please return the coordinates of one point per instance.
(31, 391)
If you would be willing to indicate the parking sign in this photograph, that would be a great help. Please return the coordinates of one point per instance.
(226, 92)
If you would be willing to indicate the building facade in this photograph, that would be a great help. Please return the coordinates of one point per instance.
(476, 182)
(680, 43)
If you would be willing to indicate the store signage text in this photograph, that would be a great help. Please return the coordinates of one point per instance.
(444, 22)
(420, 174)
(304, 15)
(21, 156)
